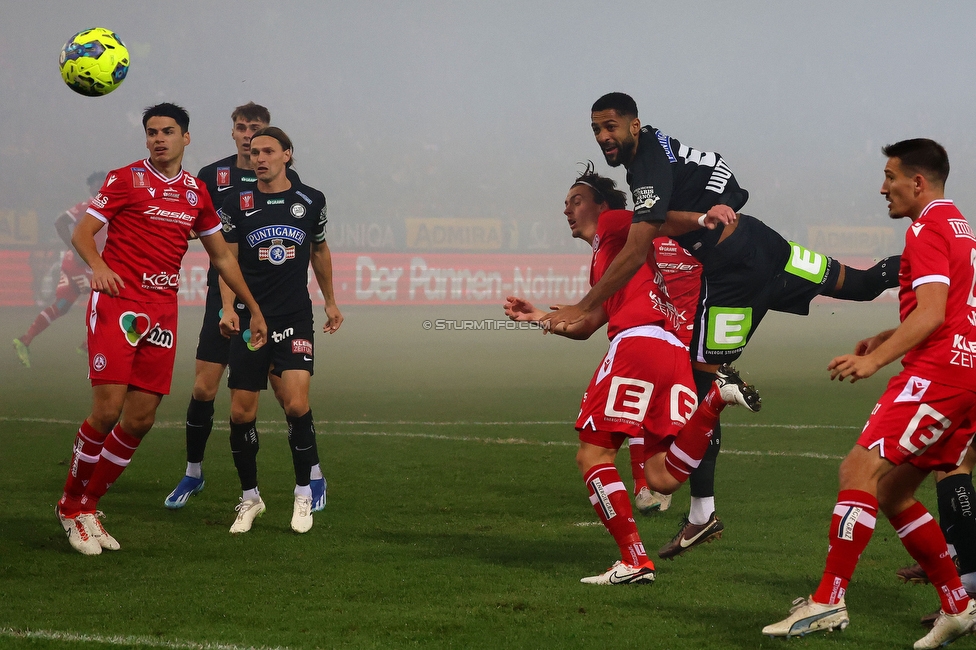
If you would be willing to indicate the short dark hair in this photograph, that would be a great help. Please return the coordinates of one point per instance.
(251, 112)
(280, 136)
(166, 109)
(921, 156)
(623, 103)
(604, 189)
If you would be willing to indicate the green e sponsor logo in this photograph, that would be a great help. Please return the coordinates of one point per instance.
(805, 263)
(728, 327)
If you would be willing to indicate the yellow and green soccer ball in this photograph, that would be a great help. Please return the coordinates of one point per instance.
(94, 62)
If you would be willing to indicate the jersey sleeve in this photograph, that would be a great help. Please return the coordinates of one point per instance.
(228, 218)
(927, 249)
(318, 235)
(112, 197)
(207, 222)
(651, 182)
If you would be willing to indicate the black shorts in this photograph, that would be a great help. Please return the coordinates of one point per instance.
(212, 346)
(290, 346)
(753, 271)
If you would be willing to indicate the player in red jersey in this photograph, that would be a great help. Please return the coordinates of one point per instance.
(73, 280)
(644, 385)
(682, 277)
(151, 205)
(926, 418)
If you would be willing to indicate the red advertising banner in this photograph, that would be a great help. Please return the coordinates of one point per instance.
(431, 278)
(391, 278)
(384, 278)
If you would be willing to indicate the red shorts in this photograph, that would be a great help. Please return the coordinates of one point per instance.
(921, 422)
(131, 343)
(643, 388)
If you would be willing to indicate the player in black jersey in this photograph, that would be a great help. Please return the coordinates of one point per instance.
(748, 268)
(276, 229)
(221, 178)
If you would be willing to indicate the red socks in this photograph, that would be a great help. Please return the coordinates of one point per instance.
(87, 447)
(851, 529)
(612, 504)
(116, 454)
(924, 541)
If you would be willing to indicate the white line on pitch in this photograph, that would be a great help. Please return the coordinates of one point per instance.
(457, 423)
(493, 441)
(50, 635)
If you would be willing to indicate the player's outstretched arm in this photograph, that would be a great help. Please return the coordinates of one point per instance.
(679, 222)
(583, 329)
(83, 239)
(630, 258)
(321, 261)
(927, 316)
(225, 261)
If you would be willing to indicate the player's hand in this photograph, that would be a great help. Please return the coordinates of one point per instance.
(334, 317)
(562, 318)
(852, 365)
(867, 346)
(259, 331)
(719, 215)
(519, 309)
(230, 324)
(81, 282)
(107, 281)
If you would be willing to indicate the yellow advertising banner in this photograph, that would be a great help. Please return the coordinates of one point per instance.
(454, 234)
(18, 228)
(853, 240)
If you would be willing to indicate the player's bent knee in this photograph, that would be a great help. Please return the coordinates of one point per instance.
(658, 477)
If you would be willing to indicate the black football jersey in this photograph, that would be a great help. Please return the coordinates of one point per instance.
(667, 175)
(274, 234)
(221, 178)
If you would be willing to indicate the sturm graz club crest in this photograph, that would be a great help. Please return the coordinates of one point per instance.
(297, 210)
(277, 253)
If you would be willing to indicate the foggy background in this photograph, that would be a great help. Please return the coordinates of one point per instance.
(481, 109)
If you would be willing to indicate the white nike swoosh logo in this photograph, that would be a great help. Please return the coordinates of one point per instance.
(225, 187)
(308, 358)
(685, 543)
(250, 212)
(616, 579)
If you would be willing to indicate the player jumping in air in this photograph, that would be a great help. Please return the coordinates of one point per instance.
(151, 207)
(642, 388)
(748, 268)
(926, 418)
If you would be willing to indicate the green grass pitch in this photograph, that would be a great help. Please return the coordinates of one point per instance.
(456, 515)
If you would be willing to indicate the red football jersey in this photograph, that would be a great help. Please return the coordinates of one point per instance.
(75, 212)
(682, 277)
(644, 299)
(940, 247)
(150, 218)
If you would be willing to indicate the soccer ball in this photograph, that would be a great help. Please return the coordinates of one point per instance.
(94, 62)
